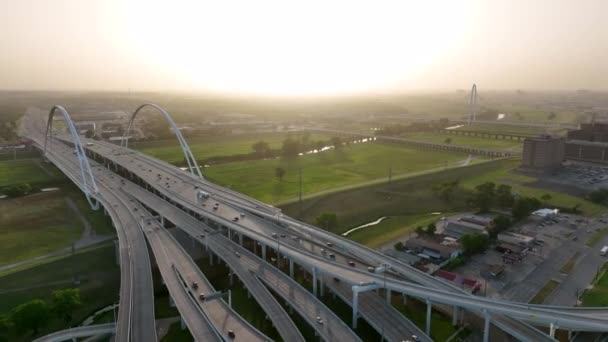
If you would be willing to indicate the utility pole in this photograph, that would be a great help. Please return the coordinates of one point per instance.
(300, 193)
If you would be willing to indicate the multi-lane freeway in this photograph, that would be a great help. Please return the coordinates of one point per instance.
(135, 188)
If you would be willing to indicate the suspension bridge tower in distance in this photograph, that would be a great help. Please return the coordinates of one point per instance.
(473, 104)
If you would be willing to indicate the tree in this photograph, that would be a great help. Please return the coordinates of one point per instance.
(484, 196)
(504, 196)
(399, 246)
(431, 229)
(420, 230)
(336, 142)
(327, 220)
(445, 191)
(64, 303)
(447, 141)
(499, 224)
(599, 195)
(279, 172)
(158, 127)
(89, 133)
(31, 316)
(17, 190)
(290, 148)
(546, 198)
(261, 148)
(524, 206)
(474, 243)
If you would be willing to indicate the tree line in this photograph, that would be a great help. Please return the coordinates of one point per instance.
(35, 314)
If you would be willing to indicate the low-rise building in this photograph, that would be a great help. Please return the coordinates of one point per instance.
(543, 153)
(458, 228)
(408, 258)
(434, 247)
(515, 239)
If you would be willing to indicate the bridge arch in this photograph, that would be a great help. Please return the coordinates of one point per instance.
(473, 104)
(192, 164)
(85, 167)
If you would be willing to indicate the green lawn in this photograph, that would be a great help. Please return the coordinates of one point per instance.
(441, 326)
(466, 140)
(355, 163)
(598, 295)
(42, 222)
(544, 292)
(35, 225)
(207, 147)
(99, 284)
(391, 229)
(33, 171)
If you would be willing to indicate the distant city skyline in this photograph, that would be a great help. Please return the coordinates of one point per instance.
(280, 48)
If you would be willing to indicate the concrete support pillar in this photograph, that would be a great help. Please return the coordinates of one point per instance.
(162, 221)
(291, 268)
(240, 235)
(388, 296)
(182, 324)
(321, 286)
(255, 247)
(455, 312)
(264, 252)
(314, 281)
(171, 302)
(552, 329)
(230, 278)
(429, 309)
(105, 212)
(355, 306)
(486, 327)
(210, 258)
(229, 234)
(404, 298)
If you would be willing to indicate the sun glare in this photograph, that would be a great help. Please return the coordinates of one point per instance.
(291, 48)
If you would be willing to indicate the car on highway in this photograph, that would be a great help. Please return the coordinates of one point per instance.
(329, 244)
(332, 256)
(242, 215)
(194, 285)
(235, 219)
(371, 269)
(351, 263)
(231, 334)
(319, 320)
(201, 296)
(415, 338)
(282, 235)
(238, 255)
(274, 235)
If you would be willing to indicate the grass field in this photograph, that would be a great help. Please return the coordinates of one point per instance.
(441, 326)
(544, 292)
(391, 229)
(207, 147)
(324, 170)
(408, 198)
(99, 284)
(598, 295)
(33, 171)
(569, 265)
(513, 145)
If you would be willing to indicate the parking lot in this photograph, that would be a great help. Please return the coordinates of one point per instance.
(584, 176)
(558, 240)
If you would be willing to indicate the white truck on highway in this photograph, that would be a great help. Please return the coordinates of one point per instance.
(604, 251)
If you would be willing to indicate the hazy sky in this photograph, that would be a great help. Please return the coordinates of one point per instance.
(303, 47)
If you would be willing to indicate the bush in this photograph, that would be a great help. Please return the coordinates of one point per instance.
(599, 195)
(17, 190)
(474, 243)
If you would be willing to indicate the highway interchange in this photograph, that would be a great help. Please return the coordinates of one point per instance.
(140, 193)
